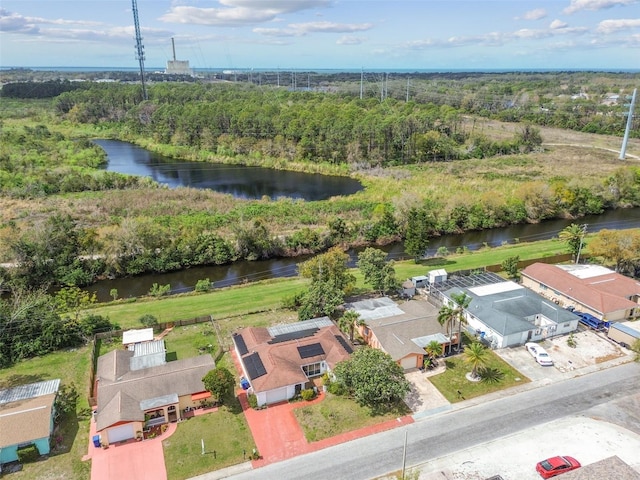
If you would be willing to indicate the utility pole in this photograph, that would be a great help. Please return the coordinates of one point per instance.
(139, 47)
(407, 99)
(361, 80)
(623, 149)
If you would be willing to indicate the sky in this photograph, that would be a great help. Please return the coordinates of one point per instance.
(443, 35)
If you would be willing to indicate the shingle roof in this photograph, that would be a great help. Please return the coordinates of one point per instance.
(181, 377)
(604, 291)
(26, 411)
(282, 361)
(611, 467)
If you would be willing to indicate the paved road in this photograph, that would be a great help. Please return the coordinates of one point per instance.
(469, 423)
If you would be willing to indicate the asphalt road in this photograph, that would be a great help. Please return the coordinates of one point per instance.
(468, 424)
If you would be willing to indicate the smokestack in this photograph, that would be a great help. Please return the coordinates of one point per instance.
(173, 45)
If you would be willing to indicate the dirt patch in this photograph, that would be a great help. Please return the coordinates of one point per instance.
(591, 348)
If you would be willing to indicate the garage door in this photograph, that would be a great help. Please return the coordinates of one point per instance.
(121, 433)
(277, 395)
(408, 362)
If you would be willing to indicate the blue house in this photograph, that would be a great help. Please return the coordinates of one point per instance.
(26, 418)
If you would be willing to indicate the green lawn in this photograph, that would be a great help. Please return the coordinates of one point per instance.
(336, 414)
(224, 432)
(453, 379)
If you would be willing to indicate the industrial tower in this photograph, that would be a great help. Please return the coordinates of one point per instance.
(139, 46)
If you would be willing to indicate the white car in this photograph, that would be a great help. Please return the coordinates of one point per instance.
(539, 353)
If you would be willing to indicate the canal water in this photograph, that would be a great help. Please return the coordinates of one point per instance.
(244, 271)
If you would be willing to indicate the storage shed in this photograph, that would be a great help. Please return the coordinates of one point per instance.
(624, 333)
(437, 276)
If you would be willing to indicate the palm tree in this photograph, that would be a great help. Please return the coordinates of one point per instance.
(476, 355)
(462, 301)
(573, 236)
(348, 322)
(446, 318)
(433, 350)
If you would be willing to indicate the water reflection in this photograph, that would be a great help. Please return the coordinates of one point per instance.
(237, 180)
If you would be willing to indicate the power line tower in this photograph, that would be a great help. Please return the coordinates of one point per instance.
(623, 150)
(139, 47)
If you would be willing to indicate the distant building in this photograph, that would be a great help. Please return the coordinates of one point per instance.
(177, 67)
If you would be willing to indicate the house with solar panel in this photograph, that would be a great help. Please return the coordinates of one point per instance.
(401, 330)
(26, 418)
(503, 313)
(279, 362)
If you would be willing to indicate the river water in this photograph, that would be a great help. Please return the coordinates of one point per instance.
(244, 271)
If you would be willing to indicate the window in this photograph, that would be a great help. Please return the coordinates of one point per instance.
(566, 325)
(312, 370)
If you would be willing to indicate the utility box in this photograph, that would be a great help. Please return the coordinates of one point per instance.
(96, 441)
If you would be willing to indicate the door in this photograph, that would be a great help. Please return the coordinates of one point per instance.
(277, 395)
(120, 433)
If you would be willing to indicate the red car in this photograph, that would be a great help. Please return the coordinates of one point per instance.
(556, 465)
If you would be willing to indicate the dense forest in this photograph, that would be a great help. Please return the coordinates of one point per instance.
(421, 152)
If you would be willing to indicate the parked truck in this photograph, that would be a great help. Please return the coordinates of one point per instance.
(592, 322)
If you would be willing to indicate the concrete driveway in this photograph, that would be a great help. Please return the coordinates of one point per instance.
(140, 460)
(424, 398)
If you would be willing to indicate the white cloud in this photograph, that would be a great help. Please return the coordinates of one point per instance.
(536, 14)
(350, 40)
(612, 26)
(238, 12)
(558, 24)
(578, 5)
(331, 27)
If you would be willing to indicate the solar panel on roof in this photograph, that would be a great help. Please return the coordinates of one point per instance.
(308, 351)
(285, 337)
(240, 344)
(344, 344)
(255, 367)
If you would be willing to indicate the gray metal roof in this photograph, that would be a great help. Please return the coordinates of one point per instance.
(427, 339)
(625, 328)
(298, 326)
(157, 402)
(31, 390)
(508, 310)
(375, 308)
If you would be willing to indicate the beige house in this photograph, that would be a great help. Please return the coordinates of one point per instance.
(593, 289)
(135, 393)
(402, 331)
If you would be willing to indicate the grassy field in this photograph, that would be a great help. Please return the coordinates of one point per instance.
(336, 415)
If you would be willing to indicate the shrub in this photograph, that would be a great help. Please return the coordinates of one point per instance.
(28, 454)
(159, 290)
(203, 285)
(148, 320)
(337, 388)
(253, 401)
(308, 394)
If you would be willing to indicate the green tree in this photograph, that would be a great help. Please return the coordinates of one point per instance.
(573, 236)
(373, 378)
(636, 349)
(377, 271)
(74, 300)
(476, 355)
(66, 400)
(510, 265)
(416, 237)
(331, 267)
(321, 298)
(620, 247)
(453, 314)
(219, 382)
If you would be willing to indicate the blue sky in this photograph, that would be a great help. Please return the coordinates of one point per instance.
(316, 34)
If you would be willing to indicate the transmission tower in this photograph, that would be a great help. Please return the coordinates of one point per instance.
(139, 46)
